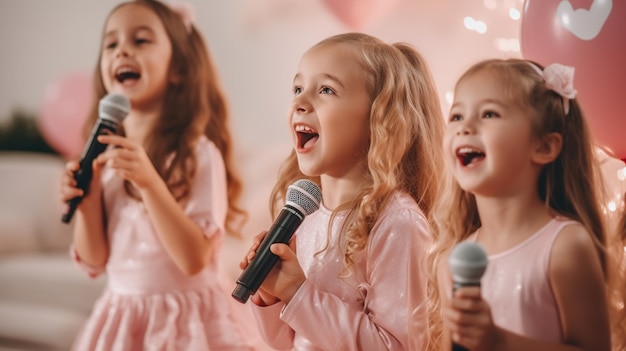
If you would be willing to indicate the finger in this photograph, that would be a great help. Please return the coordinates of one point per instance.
(72, 166)
(468, 292)
(283, 251)
(116, 140)
(70, 193)
(257, 239)
(466, 304)
(121, 165)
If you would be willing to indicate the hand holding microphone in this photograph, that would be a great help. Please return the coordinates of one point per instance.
(467, 263)
(112, 110)
(303, 198)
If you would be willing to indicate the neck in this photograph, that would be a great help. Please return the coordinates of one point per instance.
(339, 191)
(508, 221)
(139, 123)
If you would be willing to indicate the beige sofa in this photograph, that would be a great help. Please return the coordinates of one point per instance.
(44, 298)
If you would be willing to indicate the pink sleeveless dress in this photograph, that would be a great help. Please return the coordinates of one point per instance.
(517, 287)
(149, 304)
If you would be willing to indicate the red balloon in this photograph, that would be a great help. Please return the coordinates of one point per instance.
(64, 110)
(589, 35)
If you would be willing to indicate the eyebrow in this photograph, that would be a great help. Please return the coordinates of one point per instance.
(326, 76)
(136, 29)
(484, 101)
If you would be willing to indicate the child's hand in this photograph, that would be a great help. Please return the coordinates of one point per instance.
(261, 297)
(285, 277)
(129, 160)
(69, 188)
(468, 318)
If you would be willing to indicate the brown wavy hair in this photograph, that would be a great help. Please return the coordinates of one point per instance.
(406, 129)
(194, 105)
(571, 185)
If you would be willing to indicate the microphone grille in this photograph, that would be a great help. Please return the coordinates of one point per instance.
(305, 196)
(114, 107)
(468, 262)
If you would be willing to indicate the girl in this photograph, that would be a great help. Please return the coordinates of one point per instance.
(155, 214)
(523, 183)
(366, 125)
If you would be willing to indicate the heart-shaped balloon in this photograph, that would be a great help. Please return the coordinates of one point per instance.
(589, 35)
(357, 14)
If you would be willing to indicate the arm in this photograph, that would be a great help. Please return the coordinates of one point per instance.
(267, 307)
(583, 307)
(90, 247)
(382, 323)
(274, 331)
(182, 237)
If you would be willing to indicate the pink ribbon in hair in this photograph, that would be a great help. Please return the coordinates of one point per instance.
(560, 79)
(186, 11)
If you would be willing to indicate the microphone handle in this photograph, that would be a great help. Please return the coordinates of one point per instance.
(456, 285)
(456, 347)
(281, 231)
(85, 172)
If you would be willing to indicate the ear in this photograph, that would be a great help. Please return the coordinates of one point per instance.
(548, 148)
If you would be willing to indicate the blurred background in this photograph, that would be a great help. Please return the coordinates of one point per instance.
(49, 50)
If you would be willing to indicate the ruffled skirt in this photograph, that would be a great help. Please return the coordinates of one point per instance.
(195, 320)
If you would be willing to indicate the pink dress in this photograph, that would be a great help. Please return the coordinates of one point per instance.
(149, 304)
(372, 309)
(517, 287)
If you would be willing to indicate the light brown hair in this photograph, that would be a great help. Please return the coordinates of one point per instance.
(194, 105)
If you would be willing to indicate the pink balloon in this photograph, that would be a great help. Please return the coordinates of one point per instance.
(357, 14)
(64, 110)
(588, 35)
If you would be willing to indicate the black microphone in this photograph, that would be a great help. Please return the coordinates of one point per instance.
(112, 109)
(303, 198)
(467, 262)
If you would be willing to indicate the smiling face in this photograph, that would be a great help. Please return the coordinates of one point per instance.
(489, 140)
(136, 54)
(329, 115)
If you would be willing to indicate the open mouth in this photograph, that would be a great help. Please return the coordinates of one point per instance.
(127, 74)
(469, 155)
(307, 136)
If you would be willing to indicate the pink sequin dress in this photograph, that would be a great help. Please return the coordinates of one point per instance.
(517, 287)
(373, 309)
(149, 304)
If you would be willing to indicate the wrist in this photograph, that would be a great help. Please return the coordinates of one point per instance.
(291, 291)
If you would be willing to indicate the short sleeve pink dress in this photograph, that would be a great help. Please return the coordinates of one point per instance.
(149, 304)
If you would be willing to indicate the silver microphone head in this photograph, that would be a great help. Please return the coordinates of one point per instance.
(305, 196)
(114, 107)
(468, 262)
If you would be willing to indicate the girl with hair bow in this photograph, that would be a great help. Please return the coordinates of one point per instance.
(523, 182)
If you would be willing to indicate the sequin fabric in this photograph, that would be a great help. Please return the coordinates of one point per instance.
(373, 309)
(517, 287)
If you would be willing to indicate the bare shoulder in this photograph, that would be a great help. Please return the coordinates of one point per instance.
(573, 247)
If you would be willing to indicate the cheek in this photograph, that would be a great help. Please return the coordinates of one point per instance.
(104, 73)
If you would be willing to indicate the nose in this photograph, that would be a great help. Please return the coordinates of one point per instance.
(465, 127)
(301, 104)
(124, 49)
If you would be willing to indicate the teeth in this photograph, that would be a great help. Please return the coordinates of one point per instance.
(125, 69)
(303, 129)
(468, 150)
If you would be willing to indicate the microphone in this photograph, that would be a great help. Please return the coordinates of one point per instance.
(467, 262)
(112, 109)
(303, 198)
